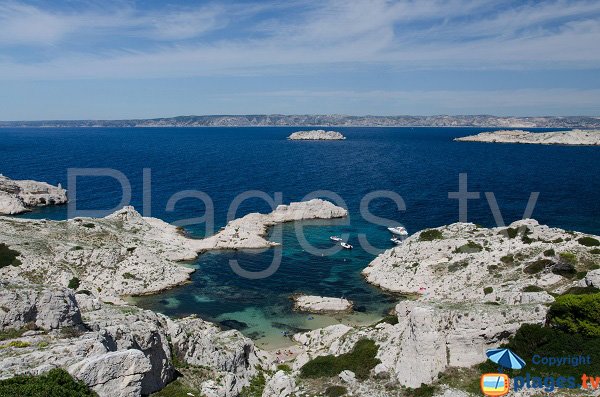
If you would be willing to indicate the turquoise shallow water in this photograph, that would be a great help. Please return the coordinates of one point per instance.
(420, 164)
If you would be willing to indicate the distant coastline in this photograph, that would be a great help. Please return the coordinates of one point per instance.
(277, 120)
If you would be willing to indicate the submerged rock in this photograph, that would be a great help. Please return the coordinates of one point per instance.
(20, 196)
(316, 135)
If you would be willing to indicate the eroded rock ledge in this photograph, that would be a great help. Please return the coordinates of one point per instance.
(573, 137)
(20, 196)
(321, 304)
(316, 135)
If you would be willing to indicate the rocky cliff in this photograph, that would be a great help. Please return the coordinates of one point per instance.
(571, 138)
(20, 196)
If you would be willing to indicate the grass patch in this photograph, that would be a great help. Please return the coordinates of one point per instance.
(129, 276)
(55, 383)
(389, 319)
(74, 283)
(360, 361)
(285, 368)
(589, 241)
(456, 266)
(537, 266)
(488, 290)
(176, 389)
(577, 314)
(13, 333)
(8, 257)
(423, 391)
(507, 259)
(532, 288)
(550, 252)
(568, 257)
(470, 247)
(336, 391)
(256, 387)
(582, 291)
(430, 235)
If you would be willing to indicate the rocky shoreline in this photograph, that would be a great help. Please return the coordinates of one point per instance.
(17, 197)
(321, 304)
(316, 135)
(571, 138)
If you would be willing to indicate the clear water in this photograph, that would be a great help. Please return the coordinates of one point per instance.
(420, 164)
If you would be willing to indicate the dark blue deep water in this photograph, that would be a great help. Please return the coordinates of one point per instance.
(420, 164)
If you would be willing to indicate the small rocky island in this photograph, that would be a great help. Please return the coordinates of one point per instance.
(321, 304)
(17, 197)
(316, 135)
(572, 137)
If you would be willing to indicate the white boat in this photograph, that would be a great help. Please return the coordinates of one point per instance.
(400, 230)
(396, 240)
(335, 238)
(346, 246)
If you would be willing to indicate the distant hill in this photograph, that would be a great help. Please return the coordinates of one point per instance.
(332, 120)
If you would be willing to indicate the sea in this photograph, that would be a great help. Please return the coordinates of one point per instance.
(414, 167)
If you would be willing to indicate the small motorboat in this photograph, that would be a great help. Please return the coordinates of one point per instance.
(346, 246)
(337, 239)
(399, 230)
(396, 240)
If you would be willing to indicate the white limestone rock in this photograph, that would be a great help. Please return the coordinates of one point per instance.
(475, 264)
(592, 279)
(43, 307)
(321, 304)
(316, 135)
(573, 137)
(348, 377)
(251, 230)
(20, 196)
(279, 385)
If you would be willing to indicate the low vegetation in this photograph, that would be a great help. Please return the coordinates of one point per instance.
(389, 319)
(74, 283)
(537, 266)
(176, 389)
(430, 235)
(550, 252)
(423, 391)
(360, 361)
(589, 241)
(577, 314)
(8, 257)
(470, 248)
(532, 288)
(56, 383)
(336, 391)
(256, 387)
(488, 290)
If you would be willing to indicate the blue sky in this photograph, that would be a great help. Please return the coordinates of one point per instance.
(125, 59)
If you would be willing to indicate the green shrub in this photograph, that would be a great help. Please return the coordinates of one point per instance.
(19, 344)
(74, 283)
(582, 290)
(532, 288)
(430, 235)
(488, 290)
(56, 383)
(507, 259)
(360, 361)
(389, 319)
(256, 387)
(176, 389)
(423, 391)
(568, 257)
(549, 252)
(285, 368)
(576, 314)
(128, 276)
(588, 241)
(595, 251)
(537, 266)
(469, 248)
(336, 391)
(8, 257)
(453, 267)
(89, 225)
(511, 232)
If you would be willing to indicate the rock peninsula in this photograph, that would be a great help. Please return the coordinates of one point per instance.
(20, 196)
(316, 135)
(572, 137)
(321, 304)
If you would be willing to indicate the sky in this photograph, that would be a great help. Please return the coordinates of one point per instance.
(118, 59)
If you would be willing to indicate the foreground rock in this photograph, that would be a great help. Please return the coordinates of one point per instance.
(316, 135)
(20, 196)
(321, 304)
(120, 350)
(462, 262)
(127, 254)
(573, 137)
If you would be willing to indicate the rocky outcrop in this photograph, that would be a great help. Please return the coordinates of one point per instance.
(316, 135)
(279, 385)
(125, 351)
(127, 254)
(321, 304)
(20, 196)
(36, 306)
(251, 230)
(573, 137)
(463, 262)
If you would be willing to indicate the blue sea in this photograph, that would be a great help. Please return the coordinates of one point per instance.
(420, 164)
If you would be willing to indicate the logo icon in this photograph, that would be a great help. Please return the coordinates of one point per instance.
(494, 385)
